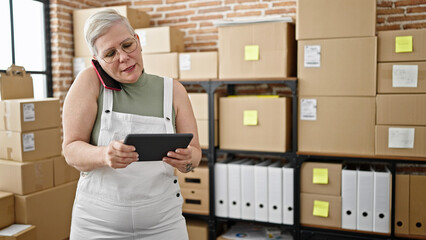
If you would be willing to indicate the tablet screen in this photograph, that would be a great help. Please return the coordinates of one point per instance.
(153, 147)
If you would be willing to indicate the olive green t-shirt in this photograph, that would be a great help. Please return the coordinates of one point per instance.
(144, 97)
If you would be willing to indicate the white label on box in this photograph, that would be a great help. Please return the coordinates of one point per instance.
(312, 56)
(29, 112)
(184, 62)
(308, 109)
(13, 229)
(405, 75)
(401, 138)
(142, 37)
(78, 65)
(28, 142)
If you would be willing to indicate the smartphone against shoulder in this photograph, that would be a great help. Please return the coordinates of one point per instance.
(107, 81)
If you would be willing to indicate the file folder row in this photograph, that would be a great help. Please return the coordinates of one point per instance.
(250, 190)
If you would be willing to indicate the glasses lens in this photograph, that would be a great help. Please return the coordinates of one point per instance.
(129, 45)
(109, 56)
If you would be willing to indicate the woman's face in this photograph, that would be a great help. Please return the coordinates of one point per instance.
(128, 67)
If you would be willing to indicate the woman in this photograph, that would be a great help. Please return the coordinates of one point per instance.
(118, 198)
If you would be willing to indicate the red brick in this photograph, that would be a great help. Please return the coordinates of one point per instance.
(204, 4)
(127, 3)
(280, 11)
(406, 18)
(208, 37)
(202, 31)
(388, 27)
(389, 11)
(209, 50)
(252, 6)
(238, 1)
(216, 9)
(409, 2)
(417, 10)
(153, 2)
(92, 3)
(206, 24)
(146, 10)
(175, 1)
(380, 20)
(171, 8)
(158, 15)
(283, 4)
(384, 3)
(189, 25)
(182, 13)
(188, 39)
(207, 17)
(243, 14)
(414, 25)
(169, 21)
(202, 44)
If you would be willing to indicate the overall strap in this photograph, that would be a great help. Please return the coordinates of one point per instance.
(168, 104)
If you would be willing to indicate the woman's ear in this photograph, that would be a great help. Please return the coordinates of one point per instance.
(139, 40)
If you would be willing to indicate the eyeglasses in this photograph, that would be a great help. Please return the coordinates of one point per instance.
(128, 46)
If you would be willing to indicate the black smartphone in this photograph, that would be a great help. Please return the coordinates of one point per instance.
(107, 81)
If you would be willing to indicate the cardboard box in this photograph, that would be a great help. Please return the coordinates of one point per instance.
(255, 123)
(335, 19)
(198, 66)
(259, 50)
(80, 63)
(16, 83)
(137, 19)
(29, 114)
(336, 125)
(402, 204)
(405, 141)
(198, 178)
(417, 205)
(49, 210)
(200, 105)
(162, 64)
(26, 177)
(401, 77)
(195, 201)
(197, 230)
(397, 46)
(28, 233)
(203, 133)
(337, 67)
(31, 145)
(321, 178)
(7, 209)
(161, 39)
(63, 173)
(307, 217)
(401, 109)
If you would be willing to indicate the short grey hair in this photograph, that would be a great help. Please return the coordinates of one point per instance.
(99, 23)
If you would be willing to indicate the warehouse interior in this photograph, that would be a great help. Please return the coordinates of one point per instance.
(310, 115)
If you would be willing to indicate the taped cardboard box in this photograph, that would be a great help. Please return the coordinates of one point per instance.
(31, 145)
(320, 210)
(161, 39)
(397, 140)
(49, 210)
(29, 114)
(337, 67)
(137, 19)
(195, 201)
(16, 83)
(336, 125)
(162, 64)
(198, 178)
(401, 77)
(335, 19)
(401, 45)
(198, 66)
(200, 105)
(7, 209)
(203, 133)
(259, 50)
(19, 232)
(255, 123)
(321, 178)
(26, 177)
(401, 109)
(63, 173)
(197, 230)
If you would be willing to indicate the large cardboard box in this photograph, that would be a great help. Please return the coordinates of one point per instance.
(203, 132)
(29, 114)
(401, 77)
(259, 50)
(161, 39)
(337, 67)
(20, 232)
(197, 230)
(200, 105)
(321, 178)
(417, 205)
(137, 19)
(405, 141)
(7, 209)
(401, 45)
(198, 66)
(195, 201)
(336, 125)
(16, 83)
(333, 211)
(162, 64)
(62, 172)
(31, 145)
(198, 178)
(49, 210)
(26, 177)
(255, 123)
(401, 109)
(402, 204)
(317, 19)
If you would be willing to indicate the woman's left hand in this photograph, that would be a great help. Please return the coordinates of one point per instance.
(181, 159)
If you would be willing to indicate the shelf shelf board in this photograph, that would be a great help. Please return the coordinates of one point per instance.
(223, 219)
(334, 156)
(338, 232)
(277, 154)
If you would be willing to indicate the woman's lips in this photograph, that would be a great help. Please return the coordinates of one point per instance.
(129, 69)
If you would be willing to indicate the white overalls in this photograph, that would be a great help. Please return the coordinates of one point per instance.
(141, 201)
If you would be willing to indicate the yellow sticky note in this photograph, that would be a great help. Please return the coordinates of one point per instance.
(320, 176)
(321, 208)
(251, 53)
(250, 117)
(403, 44)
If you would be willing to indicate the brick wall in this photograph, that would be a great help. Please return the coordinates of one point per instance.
(196, 17)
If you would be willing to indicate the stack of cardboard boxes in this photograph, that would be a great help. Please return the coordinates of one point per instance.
(337, 76)
(31, 165)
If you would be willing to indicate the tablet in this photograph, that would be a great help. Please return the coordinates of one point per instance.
(153, 147)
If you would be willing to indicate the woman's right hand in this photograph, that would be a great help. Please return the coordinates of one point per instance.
(119, 155)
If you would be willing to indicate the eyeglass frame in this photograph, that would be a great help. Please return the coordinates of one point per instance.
(117, 51)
